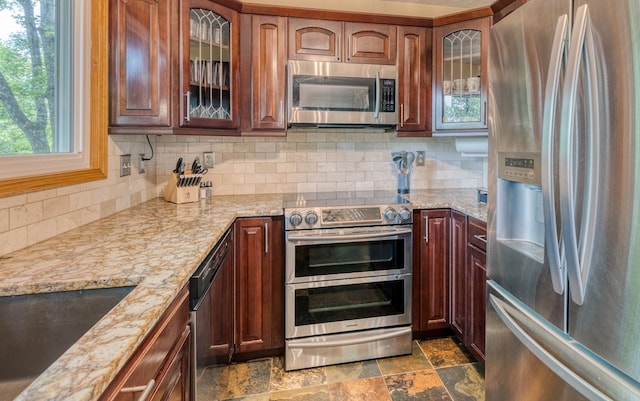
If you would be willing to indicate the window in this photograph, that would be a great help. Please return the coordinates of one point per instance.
(53, 76)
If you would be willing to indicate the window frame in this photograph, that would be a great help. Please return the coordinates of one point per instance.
(98, 120)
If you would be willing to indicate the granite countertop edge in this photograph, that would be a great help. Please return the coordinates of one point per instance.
(155, 246)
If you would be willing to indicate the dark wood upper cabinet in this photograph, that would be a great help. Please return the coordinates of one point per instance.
(351, 42)
(140, 54)
(314, 39)
(370, 43)
(209, 72)
(174, 68)
(414, 81)
(461, 53)
(265, 57)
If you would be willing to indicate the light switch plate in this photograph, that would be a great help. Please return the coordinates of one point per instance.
(125, 165)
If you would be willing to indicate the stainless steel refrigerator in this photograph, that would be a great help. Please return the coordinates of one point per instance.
(563, 296)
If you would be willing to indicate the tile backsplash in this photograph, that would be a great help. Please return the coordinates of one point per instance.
(305, 160)
(320, 160)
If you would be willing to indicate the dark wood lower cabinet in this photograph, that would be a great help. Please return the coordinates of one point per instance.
(459, 276)
(259, 300)
(431, 272)
(161, 364)
(477, 306)
(477, 299)
(449, 277)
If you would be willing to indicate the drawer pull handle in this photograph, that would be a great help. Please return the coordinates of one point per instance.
(480, 237)
(146, 390)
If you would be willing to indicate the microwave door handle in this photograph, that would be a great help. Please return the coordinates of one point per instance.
(376, 112)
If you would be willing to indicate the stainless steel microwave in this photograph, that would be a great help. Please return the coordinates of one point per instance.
(326, 94)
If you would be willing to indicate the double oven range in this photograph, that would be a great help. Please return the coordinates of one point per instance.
(348, 277)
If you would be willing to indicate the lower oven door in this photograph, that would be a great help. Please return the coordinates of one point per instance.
(338, 306)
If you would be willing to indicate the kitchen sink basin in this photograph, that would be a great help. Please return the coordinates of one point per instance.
(36, 329)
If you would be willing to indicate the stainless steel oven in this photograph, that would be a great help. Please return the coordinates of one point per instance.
(348, 283)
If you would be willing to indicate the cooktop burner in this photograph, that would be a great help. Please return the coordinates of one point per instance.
(344, 209)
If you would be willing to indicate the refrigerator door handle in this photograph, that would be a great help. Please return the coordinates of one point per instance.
(578, 246)
(563, 355)
(552, 239)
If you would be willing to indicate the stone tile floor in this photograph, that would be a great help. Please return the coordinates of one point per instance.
(438, 369)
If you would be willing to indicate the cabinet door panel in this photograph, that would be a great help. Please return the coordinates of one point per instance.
(259, 284)
(370, 43)
(461, 59)
(311, 39)
(414, 81)
(140, 92)
(431, 272)
(478, 298)
(459, 276)
(210, 67)
(268, 72)
(252, 282)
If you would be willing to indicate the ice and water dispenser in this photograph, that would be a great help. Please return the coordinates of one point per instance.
(520, 215)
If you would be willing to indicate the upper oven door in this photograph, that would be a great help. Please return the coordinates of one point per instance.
(322, 93)
(338, 253)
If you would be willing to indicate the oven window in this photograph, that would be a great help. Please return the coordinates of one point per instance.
(348, 302)
(349, 257)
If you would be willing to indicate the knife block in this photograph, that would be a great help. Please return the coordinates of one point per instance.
(181, 194)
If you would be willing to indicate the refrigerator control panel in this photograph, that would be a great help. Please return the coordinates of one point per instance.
(519, 167)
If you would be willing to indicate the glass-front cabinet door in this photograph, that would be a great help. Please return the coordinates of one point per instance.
(209, 70)
(461, 68)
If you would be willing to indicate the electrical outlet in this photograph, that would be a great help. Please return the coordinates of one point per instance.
(420, 158)
(125, 165)
(141, 169)
(208, 159)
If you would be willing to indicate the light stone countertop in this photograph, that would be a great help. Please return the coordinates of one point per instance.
(155, 246)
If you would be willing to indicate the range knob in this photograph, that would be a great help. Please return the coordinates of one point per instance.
(405, 214)
(390, 214)
(311, 218)
(295, 219)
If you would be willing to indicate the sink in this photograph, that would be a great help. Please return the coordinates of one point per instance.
(36, 329)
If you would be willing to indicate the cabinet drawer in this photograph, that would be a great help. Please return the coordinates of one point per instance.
(149, 358)
(477, 233)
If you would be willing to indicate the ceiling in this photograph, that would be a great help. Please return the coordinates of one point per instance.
(412, 8)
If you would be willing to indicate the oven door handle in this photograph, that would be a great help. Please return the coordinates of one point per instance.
(338, 343)
(348, 236)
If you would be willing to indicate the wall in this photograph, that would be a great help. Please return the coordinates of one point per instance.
(320, 160)
(305, 160)
(30, 218)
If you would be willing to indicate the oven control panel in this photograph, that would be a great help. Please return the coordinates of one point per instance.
(309, 218)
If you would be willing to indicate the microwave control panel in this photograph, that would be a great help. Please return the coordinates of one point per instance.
(388, 95)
